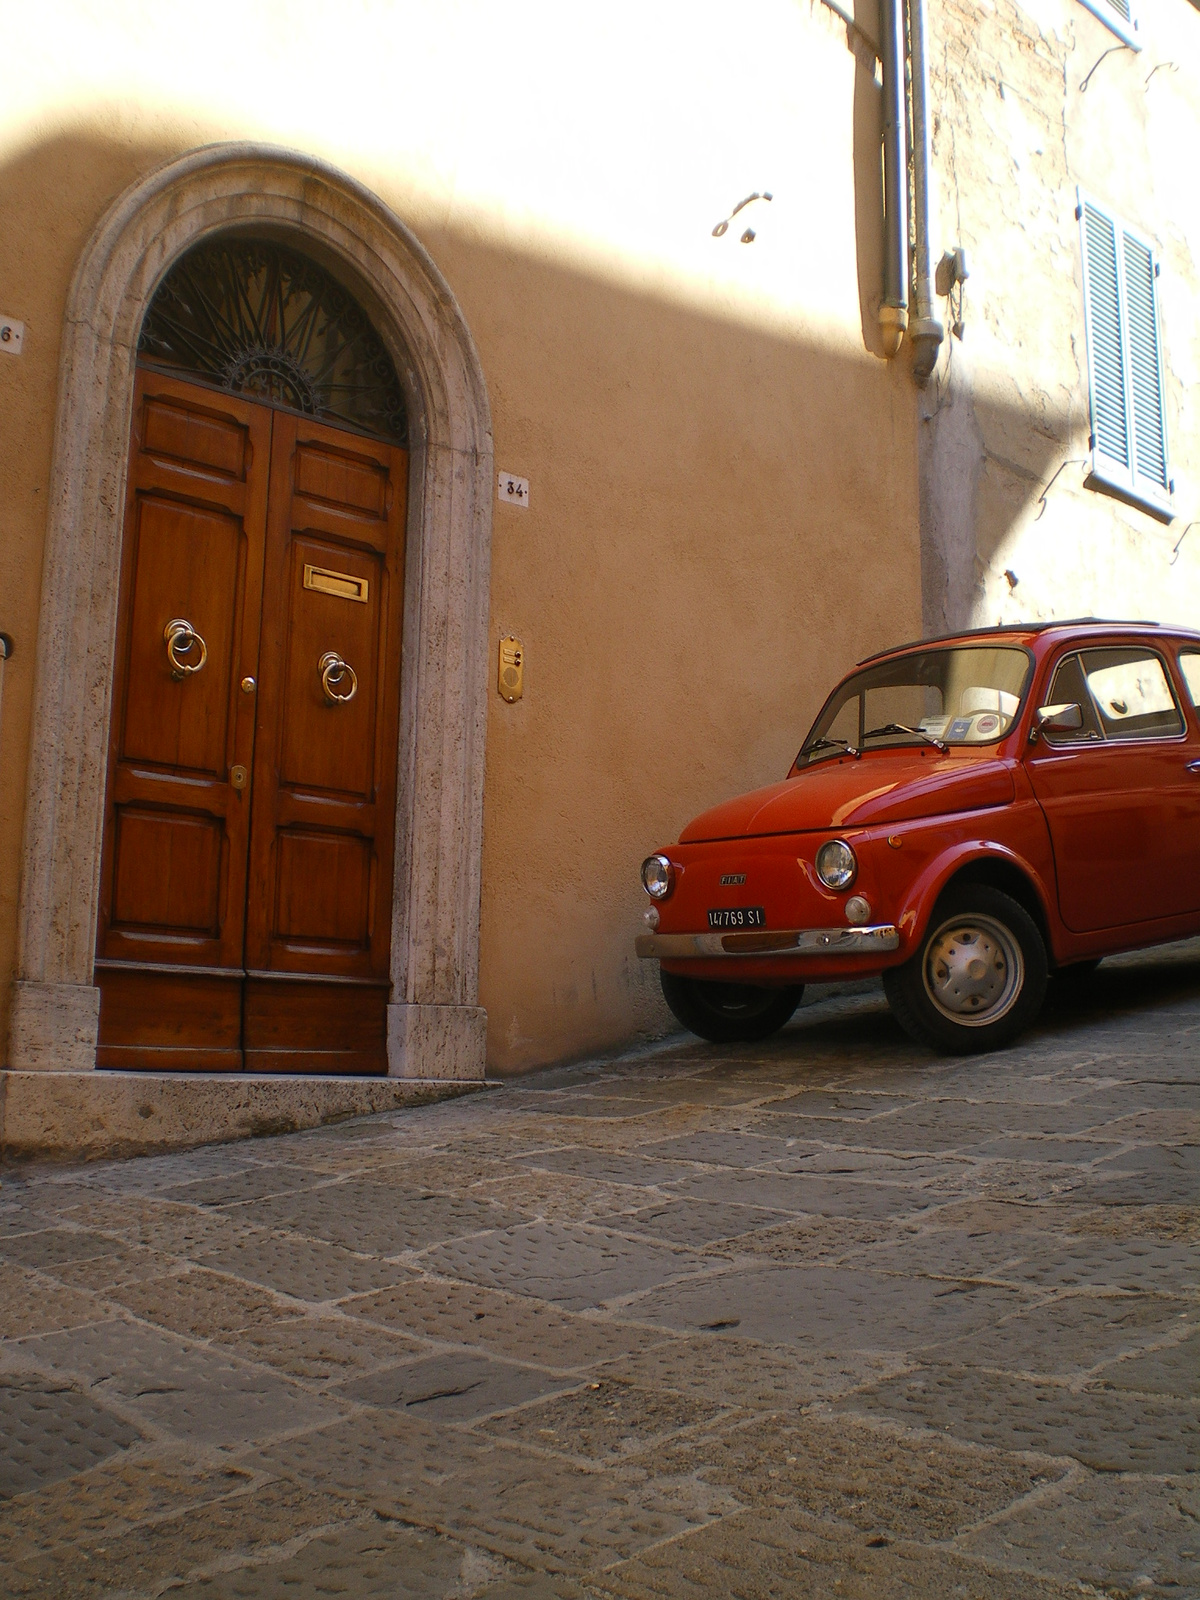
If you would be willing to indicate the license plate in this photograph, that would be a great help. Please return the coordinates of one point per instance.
(738, 917)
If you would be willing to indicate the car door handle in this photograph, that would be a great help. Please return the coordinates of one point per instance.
(1193, 766)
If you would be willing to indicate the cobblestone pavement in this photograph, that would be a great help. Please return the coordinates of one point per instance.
(822, 1317)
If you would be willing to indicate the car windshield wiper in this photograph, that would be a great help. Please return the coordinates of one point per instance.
(900, 727)
(831, 744)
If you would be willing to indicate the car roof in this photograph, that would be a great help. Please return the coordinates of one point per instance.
(1021, 631)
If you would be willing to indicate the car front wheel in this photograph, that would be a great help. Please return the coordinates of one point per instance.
(729, 1013)
(979, 977)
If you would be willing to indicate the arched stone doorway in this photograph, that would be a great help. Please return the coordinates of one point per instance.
(434, 1025)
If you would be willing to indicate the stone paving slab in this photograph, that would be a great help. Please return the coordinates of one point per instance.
(842, 1470)
(509, 1324)
(1172, 1369)
(305, 1269)
(323, 1349)
(371, 1217)
(817, 1195)
(191, 1390)
(749, 1374)
(696, 1224)
(769, 1554)
(456, 1387)
(1132, 1264)
(1108, 1531)
(605, 1420)
(824, 1316)
(202, 1304)
(571, 1266)
(153, 1554)
(1097, 1427)
(53, 1247)
(132, 1489)
(1073, 1333)
(51, 1431)
(31, 1303)
(375, 1560)
(845, 1309)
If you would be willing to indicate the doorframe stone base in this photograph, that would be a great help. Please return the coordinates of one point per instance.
(442, 1042)
(53, 1027)
(88, 1115)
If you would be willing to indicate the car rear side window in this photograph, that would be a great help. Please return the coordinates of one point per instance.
(1132, 694)
(1189, 665)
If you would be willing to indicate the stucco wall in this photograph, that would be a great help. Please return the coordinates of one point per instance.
(1028, 107)
(724, 497)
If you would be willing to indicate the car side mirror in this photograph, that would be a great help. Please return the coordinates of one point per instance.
(1060, 719)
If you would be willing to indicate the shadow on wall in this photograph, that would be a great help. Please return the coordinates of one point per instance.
(722, 520)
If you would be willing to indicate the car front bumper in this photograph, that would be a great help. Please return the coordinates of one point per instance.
(878, 940)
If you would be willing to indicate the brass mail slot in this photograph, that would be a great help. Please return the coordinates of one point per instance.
(343, 584)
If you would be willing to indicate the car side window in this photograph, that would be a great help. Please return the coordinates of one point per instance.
(1132, 694)
(1189, 665)
(1069, 687)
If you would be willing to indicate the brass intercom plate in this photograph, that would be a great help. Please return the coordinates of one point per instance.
(511, 679)
(342, 584)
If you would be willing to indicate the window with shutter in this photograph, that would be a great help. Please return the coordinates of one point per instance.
(1120, 16)
(1129, 427)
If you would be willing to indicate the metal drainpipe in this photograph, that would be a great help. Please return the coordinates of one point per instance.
(925, 331)
(893, 313)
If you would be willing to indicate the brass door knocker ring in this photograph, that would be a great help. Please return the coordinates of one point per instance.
(335, 673)
(180, 638)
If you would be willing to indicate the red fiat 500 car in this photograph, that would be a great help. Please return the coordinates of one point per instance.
(966, 816)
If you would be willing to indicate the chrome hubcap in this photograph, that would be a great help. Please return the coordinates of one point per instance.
(973, 970)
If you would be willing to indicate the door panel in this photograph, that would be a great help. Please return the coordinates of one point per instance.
(173, 869)
(189, 559)
(321, 843)
(160, 1019)
(324, 888)
(174, 431)
(330, 749)
(324, 778)
(296, 1025)
(250, 926)
(185, 890)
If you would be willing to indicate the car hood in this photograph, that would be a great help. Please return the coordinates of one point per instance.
(881, 788)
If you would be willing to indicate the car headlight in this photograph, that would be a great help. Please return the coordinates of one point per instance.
(837, 865)
(658, 877)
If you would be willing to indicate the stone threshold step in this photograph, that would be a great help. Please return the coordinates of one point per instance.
(83, 1116)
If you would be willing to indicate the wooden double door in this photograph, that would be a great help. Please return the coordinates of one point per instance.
(246, 878)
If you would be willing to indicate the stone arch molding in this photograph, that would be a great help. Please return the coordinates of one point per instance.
(435, 1027)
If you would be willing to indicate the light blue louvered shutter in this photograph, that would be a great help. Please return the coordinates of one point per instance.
(1129, 436)
(1106, 348)
(1145, 368)
(1120, 16)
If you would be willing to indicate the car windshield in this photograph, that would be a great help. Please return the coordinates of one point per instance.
(965, 695)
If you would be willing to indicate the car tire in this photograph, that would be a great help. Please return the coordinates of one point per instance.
(729, 1013)
(979, 977)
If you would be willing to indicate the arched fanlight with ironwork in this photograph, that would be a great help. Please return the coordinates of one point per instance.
(259, 319)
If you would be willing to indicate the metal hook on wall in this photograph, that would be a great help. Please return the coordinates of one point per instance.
(1163, 66)
(1114, 50)
(1179, 541)
(1074, 461)
(722, 227)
